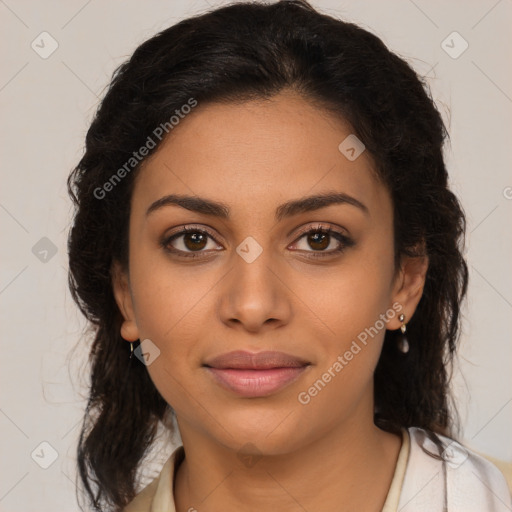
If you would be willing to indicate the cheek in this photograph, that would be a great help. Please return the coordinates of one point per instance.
(170, 306)
(353, 307)
(171, 313)
(352, 297)
(350, 352)
(174, 309)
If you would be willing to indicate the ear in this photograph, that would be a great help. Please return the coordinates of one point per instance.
(408, 288)
(124, 300)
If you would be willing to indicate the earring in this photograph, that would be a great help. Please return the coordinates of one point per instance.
(403, 343)
(131, 349)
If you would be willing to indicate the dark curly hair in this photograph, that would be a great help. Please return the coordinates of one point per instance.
(239, 52)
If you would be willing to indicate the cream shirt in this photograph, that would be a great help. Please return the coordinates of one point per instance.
(458, 480)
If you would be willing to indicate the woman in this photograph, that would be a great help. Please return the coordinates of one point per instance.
(267, 247)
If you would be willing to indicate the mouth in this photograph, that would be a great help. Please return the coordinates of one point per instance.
(255, 374)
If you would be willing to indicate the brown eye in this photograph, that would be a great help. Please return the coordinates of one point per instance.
(194, 241)
(318, 241)
(190, 243)
(321, 241)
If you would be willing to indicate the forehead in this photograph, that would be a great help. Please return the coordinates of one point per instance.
(253, 154)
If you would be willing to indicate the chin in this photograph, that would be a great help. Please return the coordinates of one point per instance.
(272, 431)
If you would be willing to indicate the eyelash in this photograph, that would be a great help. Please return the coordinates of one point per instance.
(345, 241)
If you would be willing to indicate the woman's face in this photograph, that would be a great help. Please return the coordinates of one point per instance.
(258, 282)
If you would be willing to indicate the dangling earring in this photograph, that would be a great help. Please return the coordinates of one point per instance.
(403, 343)
(131, 349)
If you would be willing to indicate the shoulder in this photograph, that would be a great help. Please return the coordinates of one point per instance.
(142, 502)
(158, 495)
(442, 474)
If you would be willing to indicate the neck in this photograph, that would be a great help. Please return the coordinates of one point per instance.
(349, 468)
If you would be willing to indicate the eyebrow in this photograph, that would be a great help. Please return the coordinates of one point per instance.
(288, 209)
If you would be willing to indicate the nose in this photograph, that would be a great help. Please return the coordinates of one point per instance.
(254, 296)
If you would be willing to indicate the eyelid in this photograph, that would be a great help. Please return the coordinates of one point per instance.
(184, 228)
(326, 226)
(191, 228)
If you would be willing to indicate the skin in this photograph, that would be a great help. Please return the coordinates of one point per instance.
(253, 157)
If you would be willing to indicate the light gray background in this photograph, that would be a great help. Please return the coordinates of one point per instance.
(47, 105)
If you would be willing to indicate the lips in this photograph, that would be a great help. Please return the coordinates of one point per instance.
(242, 360)
(255, 374)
